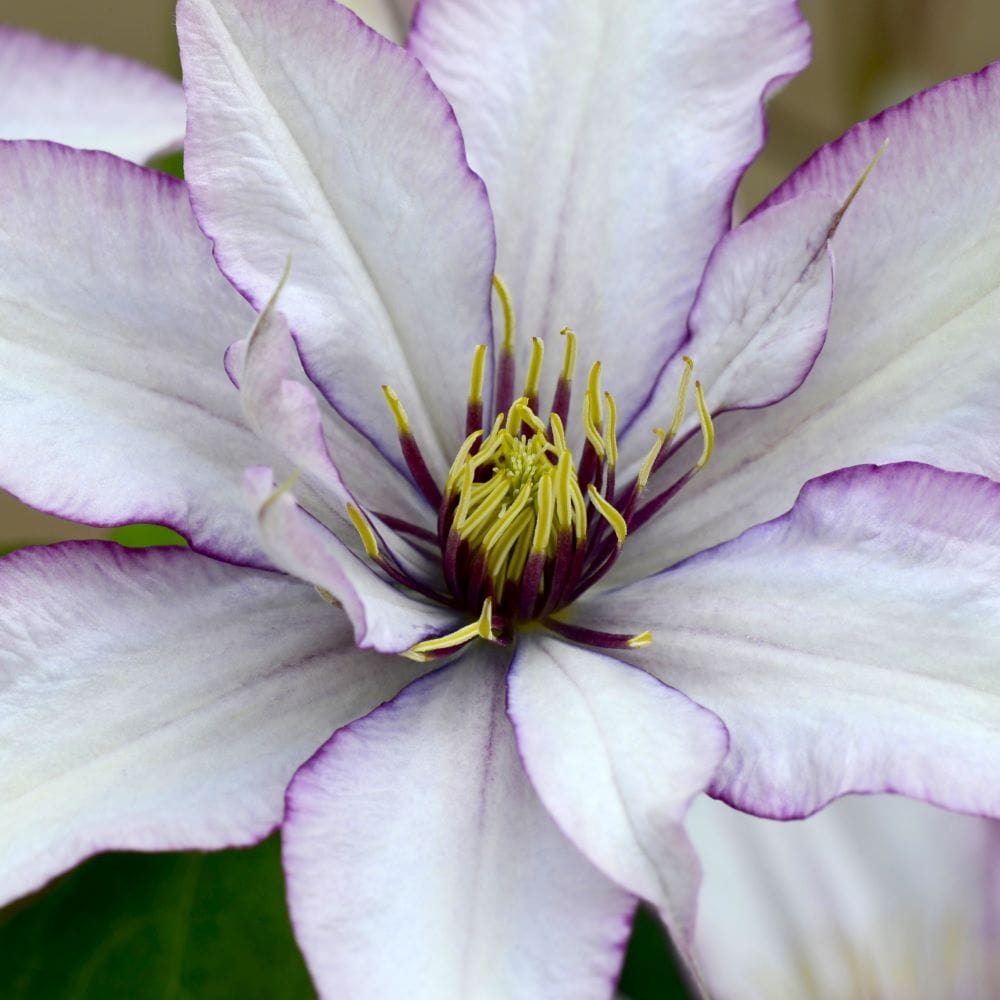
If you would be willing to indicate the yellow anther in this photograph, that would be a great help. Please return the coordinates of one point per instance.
(534, 368)
(399, 414)
(569, 361)
(364, 529)
(279, 492)
(528, 417)
(464, 497)
(478, 375)
(508, 313)
(646, 469)
(480, 629)
(591, 426)
(594, 393)
(509, 516)
(858, 184)
(488, 499)
(681, 405)
(327, 596)
(456, 471)
(640, 640)
(564, 479)
(544, 515)
(514, 414)
(518, 529)
(707, 427)
(610, 514)
(611, 433)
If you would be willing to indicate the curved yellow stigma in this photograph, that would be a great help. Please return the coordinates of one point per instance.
(477, 377)
(398, 412)
(609, 513)
(481, 629)
(681, 405)
(364, 529)
(707, 427)
(569, 360)
(508, 312)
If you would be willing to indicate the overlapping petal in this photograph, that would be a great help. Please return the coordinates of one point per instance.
(113, 323)
(617, 758)
(160, 700)
(421, 863)
(876, 896)
(309, 134)
(82, 97)
(384, 617)
(611, 145)
(910, 367)
(850, 645)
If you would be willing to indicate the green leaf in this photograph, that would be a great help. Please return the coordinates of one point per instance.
(157, 926)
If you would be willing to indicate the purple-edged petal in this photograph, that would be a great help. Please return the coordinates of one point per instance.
(310, 135)
(910, 366)
(83, 97)
(159, 700)
(851, 645)
(384, 617)
(611, 146)
(283, 408)
(420, 862)
(113, 323)
(876, 896)
(759, 321)
(617, 758)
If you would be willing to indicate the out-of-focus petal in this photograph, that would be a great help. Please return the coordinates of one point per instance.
(310, 135)
(611, 145)
(420, 819)
(160, 700)
(875, 896)
(113, 322)
(617, 758)
(851, 645)
(83, 97)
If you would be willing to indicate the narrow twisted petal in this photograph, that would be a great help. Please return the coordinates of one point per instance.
(384, 617)
(757, 325)
(310, 134)
(113, 322)
(611, 147)
(876, 896)
(851, 645)
(282, 407)
(617, 757)
(160, 700)
(420, 819)
(910, 367)
(82, 97)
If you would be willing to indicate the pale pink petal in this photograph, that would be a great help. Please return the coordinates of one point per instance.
(83, 97)
(910, 367)
(113, 323)
(384, 616)
(875, 896)
(159, 700)
(611, 143)
(850, 645)
(617, 758)
(420, 862)
(311, 135)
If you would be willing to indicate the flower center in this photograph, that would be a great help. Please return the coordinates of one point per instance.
(523, 528)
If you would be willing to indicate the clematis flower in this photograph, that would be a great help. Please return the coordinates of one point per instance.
(876, 896)
(489, 629)
(83, 97)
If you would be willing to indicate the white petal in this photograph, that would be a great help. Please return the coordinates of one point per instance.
(113, 323)
(611, 146)
(384, 617)
(420, 862)
(875, 896)
(159, 700)
(850, 645)
(617, 758)
(910, 366)
(310, 135)
(758, 323)
(82, 97)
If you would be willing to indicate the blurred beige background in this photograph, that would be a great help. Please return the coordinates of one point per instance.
(867, 54)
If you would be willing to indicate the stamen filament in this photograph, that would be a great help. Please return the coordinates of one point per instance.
(411, 450)
(474, 407)
(610, 514)
(481, 629)
(534, 373)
